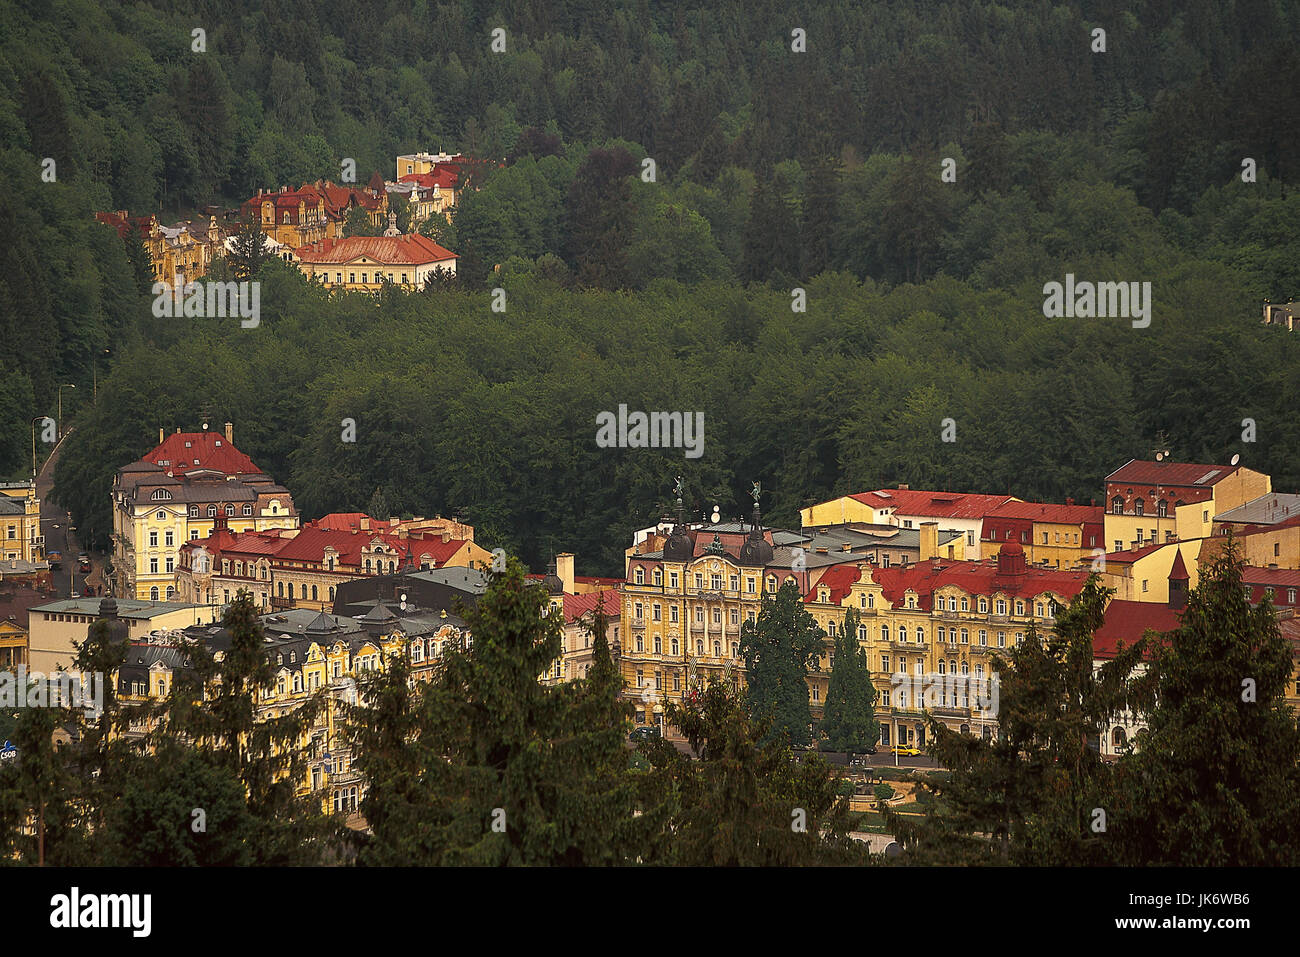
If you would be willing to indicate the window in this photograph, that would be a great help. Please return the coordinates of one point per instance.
(153, 539)
(153, 566)
(659, 645)
(640, 575)
(965, 637)
(656, 612)
(1144, 584)
(212, 511)
(672, 645)
(1162, 509)
(1002, 639)
(153, 592)
(1117, 505)
(984, 638)
(169, 538)
(659, 576)
(194, 511)
(672, 579)
(672, 614)
(248, 509)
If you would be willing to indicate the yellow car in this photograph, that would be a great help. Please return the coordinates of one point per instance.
(908, 752)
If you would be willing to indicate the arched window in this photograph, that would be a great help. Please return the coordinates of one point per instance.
(673, 645)
(699, 646)
(1117, 505)
(884, 632)
(902, 633)
(717, 649)
(331, 592)
(248, 509)
(367, 566)
(161, 495)
(212, 511)
(279, 589)
(313, 593)
(171, 592)
(194, 511)
(304, 591)
(230, 511)
(153, 593)
(1118, 738)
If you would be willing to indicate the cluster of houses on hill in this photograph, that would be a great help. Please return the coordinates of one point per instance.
(305, 227)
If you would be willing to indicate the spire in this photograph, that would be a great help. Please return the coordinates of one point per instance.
(1178, 582)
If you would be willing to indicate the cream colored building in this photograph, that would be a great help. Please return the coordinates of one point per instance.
(174, 495)
(55, 626)
(20, 523)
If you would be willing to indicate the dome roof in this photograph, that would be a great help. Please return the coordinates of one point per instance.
(679, 547)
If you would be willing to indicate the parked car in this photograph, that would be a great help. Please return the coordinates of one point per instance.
(55, 558)
(908, 752)
(643, 732)
(83, 563)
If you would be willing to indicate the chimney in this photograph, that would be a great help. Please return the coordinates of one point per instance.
(230, 432)
(929, 546)
(564, 568)
(365, 523)
(902, 487)
(160, 435)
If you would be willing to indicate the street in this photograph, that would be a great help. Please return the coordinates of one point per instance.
(55, 526)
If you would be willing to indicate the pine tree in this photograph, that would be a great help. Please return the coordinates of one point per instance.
(248, 251)
(848, 719)
(1030, 796)
(1214, 779)
(213, 705)
(746, 801)
(485, 764)
(779, 648)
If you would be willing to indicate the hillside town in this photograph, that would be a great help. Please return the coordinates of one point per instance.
(939, 580)
(309, 227)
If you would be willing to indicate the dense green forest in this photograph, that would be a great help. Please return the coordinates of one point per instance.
(774, 170)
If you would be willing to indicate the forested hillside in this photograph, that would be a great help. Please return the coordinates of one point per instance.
(774, 169)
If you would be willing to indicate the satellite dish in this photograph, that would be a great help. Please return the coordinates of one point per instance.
(1235, 459)
(716, 515)
(1160, 456)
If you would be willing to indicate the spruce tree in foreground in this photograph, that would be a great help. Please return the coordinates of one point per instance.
(485, 765)
(1030, 796)
(849, 718)
(1214, 780)
(779, 648)
(747, 802)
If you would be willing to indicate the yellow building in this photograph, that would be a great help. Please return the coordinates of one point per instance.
(174, 494)
(20, 523)
(906, 507)
(936, 620)
(1059, 536)
(1162, 501)
(13, 645)
(1142, 574)
(366, 263)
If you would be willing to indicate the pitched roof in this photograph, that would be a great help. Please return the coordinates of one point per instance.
(975, 578)
(183, 452)
(1049, 512)
(839, 579)
(933, 504)
(1127, 621)
(1271, 577)
(576, 606)
(444, 176)
(1130, 555)
(1268, 509)
(412, 249)
(1189, 474)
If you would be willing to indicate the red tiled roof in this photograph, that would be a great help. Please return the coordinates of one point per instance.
(444, 176)
(975, 578)
(839, 579)
(1274, 577)
(575, 606)
(310, 543)
(933, 504)
(1130, 555)
(1049, 512)
(1187, 474)
(346, 521)
(207, 450)
(1127, 621)
(386, 250)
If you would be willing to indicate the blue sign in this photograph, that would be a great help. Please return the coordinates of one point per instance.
(8, 752)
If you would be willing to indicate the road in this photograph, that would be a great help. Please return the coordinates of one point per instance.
(59, 535)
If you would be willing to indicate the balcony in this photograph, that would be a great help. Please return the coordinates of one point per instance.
(638, 624)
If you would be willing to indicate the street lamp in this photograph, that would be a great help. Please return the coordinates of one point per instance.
(94, 373)
(39, 418)
(66, 385)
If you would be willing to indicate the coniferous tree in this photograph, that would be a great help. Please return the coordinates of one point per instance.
(779, 648)
(213, 706)
(849, 719)
(1213, 780)
(248, 251)
(746, 801)
(1030, 796)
